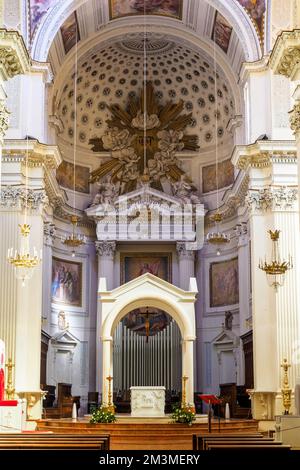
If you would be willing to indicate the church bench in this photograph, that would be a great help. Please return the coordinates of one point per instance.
(275, 448)
(198, 439)
(257, 442)
(102, 440)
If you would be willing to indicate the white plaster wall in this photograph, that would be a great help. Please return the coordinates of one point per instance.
(81, 320)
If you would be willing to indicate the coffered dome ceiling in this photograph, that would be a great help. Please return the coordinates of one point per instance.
(114, 73)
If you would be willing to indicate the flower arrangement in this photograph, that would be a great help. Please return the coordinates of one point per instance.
(103, 414)
(184, 414)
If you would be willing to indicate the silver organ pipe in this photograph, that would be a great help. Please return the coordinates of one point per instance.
(136, 362)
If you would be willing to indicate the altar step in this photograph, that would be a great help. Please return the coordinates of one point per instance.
(145, 435)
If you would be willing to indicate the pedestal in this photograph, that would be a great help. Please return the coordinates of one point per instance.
(148, 402)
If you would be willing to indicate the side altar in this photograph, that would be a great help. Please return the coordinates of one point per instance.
(148, 401)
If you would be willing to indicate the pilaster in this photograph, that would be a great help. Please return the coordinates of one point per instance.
(186, 265)
(106, 253)
(272, 204)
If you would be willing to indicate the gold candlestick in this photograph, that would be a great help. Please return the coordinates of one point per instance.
(286, 391)
(183, 398)
(110, 404)
(10, 390)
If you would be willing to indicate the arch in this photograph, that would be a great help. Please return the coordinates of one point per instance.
(147, 290)
(56, 16)
(111, 322)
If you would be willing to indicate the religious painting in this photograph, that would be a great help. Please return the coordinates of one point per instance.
(147, 321)
(65, 177)
(70, 32)
(225, 176)
(120, 8)
(37, 9)
(134, 265)
(256, 10)
(221, 32)
(224, 283)
(66, 287)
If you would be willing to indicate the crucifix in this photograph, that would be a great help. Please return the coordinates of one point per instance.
(147, 323)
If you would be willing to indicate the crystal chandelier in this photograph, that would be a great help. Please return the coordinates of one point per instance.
(276, 268)
(23, 261)
(217, 237)
(74, 240)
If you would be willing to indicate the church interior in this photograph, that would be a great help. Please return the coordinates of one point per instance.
(149, 220)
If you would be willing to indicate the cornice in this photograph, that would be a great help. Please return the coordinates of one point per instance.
(232, 200)
(258, 66)
(285, 56)
(263, 153)
(14, 57)
(38, 154)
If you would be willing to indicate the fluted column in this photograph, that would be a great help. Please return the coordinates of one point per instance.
(106, 254)
(49, 236)
(186, 265)
(276, 320)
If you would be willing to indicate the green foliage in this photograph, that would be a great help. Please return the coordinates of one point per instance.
(184, 414)
(103, 414)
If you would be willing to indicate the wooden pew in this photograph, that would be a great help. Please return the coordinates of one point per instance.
(198, 439)
(275, 448)
(53, 441)
(253, 442)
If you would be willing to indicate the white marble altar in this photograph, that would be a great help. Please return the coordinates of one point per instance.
(147, 402)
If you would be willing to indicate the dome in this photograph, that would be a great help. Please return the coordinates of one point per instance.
(114, 73)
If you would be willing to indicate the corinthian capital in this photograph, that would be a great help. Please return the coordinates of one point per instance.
(268, 199)
(295, 118)
(106, 248)
(183, 252)
(18, 197)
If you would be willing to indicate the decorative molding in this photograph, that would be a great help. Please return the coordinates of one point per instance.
(271, 198)
(4, 119)
(105, 248)
(264, 153)
(295, 118)
(14, 58)
(49, 232)
(183, 253)
(285, 57)
(19, 197)
(241, 229)
(38, 154)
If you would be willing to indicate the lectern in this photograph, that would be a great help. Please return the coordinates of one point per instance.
(211, 400)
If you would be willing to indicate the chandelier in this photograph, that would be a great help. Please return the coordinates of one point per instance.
(23, 261)
(74, 240)
(217, 237)
(276, 268)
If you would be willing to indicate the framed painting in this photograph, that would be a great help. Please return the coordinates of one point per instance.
(221, 32)
(224, 283)
(134, 265)
(66, 287)
(121, 8)
(225, 173)
(70, 32)
(65, 177)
